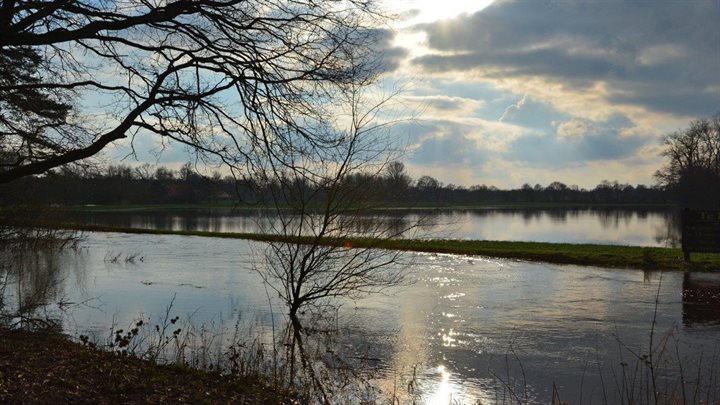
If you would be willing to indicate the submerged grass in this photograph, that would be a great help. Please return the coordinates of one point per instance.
(636, 257)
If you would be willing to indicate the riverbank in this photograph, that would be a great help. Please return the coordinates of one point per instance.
(635, 257)
(46, 367)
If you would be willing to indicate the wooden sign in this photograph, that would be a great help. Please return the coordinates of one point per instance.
(700, 232)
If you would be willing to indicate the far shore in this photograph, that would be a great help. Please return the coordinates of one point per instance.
(487, 205)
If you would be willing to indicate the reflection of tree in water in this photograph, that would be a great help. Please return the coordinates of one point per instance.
(701, 299)
(391, 226)
(528, 215)
(330, 358)
(31, 280)
(30, 263)
(609, 218)
(557, 216)
(669, 233)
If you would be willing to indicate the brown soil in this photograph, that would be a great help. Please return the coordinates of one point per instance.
(46, 367)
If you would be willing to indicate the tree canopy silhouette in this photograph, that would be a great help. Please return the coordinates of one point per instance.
(693, 167)
(231, 79)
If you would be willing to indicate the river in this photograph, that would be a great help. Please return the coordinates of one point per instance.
(461, 330)
(630, 226)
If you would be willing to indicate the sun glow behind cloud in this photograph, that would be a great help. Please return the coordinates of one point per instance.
(587, 90)
(507, 92)
(420, 11)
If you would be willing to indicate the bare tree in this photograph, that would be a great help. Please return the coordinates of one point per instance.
(144, 172)
(693, 167)
(226, 78)
(320, 207)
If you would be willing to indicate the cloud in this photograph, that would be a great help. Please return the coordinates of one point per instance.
(442, 105)
(662, 56)
(451, 150)
(512, 109)
(579, 141)
(408, 15)
(456, 142)
(571, 149)
(146, 147)
(390, 56)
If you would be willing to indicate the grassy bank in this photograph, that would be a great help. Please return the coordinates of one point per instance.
(646, 258)
(46, 367)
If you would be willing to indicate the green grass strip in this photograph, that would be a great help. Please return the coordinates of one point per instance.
(636, 257)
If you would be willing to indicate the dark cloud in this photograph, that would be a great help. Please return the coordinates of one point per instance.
(389, 56)
(654, 54)
(577, 141)
(447, 103)
(679, 100)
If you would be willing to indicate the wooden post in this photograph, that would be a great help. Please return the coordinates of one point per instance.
(684, 223)
(700, 232)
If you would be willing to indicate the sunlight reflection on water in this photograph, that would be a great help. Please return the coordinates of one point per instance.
(444, 390)
(448, 331)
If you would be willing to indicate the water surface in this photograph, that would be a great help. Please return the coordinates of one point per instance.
(636, 227)
(461, 330)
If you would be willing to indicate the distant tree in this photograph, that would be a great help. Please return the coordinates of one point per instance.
(397, 180)
(556, 186)
(527, 192)
(164, 174)
(144, 172)
(121, 172)
(692, 170)
(429, 187)
(428, 183)
(186, 172)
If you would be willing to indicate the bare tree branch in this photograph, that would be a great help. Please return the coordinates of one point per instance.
(227, 78)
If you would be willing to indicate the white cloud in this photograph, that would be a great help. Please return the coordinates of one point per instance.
(442, 105)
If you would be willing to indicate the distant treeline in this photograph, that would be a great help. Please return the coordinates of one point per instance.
(148, 185)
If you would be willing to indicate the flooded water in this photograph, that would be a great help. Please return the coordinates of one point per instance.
(466, 329)
(636, 227)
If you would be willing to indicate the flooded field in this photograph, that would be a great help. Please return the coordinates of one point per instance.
(636, 227)
(461, 329)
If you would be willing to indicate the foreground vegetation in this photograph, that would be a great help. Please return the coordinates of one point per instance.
(636, 257)
(46, 367)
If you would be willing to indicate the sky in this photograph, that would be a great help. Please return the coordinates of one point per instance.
(509, 92)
